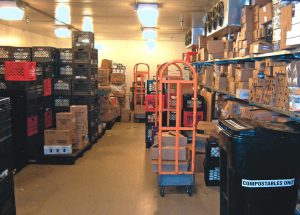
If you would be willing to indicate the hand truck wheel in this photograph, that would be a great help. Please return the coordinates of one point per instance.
(190, 190)
(162, 191)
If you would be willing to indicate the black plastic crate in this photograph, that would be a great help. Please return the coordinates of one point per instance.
(65, 71)
(62, 87)
(48, 102)
(2, 69)
(6, 149)
(149, 134)
(65, 56)
(29, 89)
(90, 101)
(21, 54)
(35, 146)
(5, 129)
(5, 109)
(211, 174)
(34, 105)
(7, 197)
(44, 54)
(81, 39)
(46, 70)
(85, 56)
(62, 101)
(84, 87)
(151, 86)
(188, 103)
(85, 71)
(6, 53)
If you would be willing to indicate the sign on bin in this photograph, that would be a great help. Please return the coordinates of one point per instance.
(268, 183)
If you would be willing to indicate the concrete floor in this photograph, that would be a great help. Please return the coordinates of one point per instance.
(113, 178)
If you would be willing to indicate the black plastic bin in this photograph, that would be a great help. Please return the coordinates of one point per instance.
(262, 164)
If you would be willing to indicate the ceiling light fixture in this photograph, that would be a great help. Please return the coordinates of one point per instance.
(62, 14)
(149, 33)
(151, 44)
(62, 32)
(11, 10)
(148, 14)
(87, 24)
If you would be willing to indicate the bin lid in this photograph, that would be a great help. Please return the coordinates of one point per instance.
(246, 127)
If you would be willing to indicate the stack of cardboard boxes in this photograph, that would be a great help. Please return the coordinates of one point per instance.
(169, 153)
(71, 132)
(202, 49)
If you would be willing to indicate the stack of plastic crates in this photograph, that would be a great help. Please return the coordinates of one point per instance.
(188, 103)
(85, 78)
(150, 112)
(212, 163)
(7, 200)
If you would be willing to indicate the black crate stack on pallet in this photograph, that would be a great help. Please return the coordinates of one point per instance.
(85, 78)
(7, 199)
(62, 83)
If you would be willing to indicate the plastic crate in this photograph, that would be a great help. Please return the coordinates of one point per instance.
(21, 54)
(40, 90)
(5, 129)
(150, 118)
(44, 54)
(84, 71)
(32, 125)
(81, 39)
(3, 85)
(20, 71)
(188, 103)
(46, 70)
(48, 118)
(150, 102)
(151, 86)
(48, 102)
(172, 100)
(29, 89)
(6, 53)
(65, 55)
(62, 87)
(149, 134)
(62, 101)
(48, 87)
(66, 71)
(2, 69)
(5, 109)
(211, 175)
(90, 101)
(188, 118)
(84, 87)
(84, 56)
(7, 199)
(6, 149)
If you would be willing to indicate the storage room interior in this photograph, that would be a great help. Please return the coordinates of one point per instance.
(149, 107)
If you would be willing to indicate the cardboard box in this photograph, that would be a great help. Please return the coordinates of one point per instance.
(286, 23)
(125, 116)
(260, 65)
(118, 78)
(246, 111)
(246, 15)
(65, 120)
(215, 47)
(55, 137)
(279, 70)
(106, 64)
(262, 115)
(202, 42)
(231, 70)
(260, 47)
(81, 115)
(103, 77)
(255, 12)
(231, 87)
(208, 76)
(203, 54)
(259, 2)
(242, 93)
(232, 108)
(170, 140)
(249, 65)
(242, 75)
(169, 166)
(221, 83)
(168, 153)
(208, 96)
(206, 127)
(243, 85)
(269, 71)
(265, 14)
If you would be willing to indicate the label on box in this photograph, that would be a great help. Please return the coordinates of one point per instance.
(268, 183)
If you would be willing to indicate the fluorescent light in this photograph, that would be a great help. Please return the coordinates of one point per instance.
(62, 14)
(62, 32)
(10, 11)
(148, 14)
(149, 33)
(151, 44)
(87, 24)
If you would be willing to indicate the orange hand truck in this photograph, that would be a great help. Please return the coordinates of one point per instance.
(176, 177)
(140, 78)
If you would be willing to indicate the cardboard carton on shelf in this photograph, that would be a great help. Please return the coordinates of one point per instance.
(118, 78)
(203, 54)
(215, 56)
(215, 46)
(264, 115)
(242, 93)
(286, 24)
(243, 75)
(104, 77)
(202, 42)
(246, 15)
(246, 111)
(243, 85)
(208, 76)
(260, 65)
(265, 14)
(259, 2)
(243, 52)
(208, 96)
(221, 83)
(269, 71)
(260, 47)
(231, 87)
(231, 70)
(54, 137)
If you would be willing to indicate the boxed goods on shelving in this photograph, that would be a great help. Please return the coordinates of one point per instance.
(208, 76)
(202, 42)
(260, 47)
(117, 78)
(106, 64)
(215, 49)
(81, 117)
(58, 137)
(220, 83)
(243, 75)
(242, 93)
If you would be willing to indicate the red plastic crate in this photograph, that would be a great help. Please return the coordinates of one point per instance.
(20, 71)
(48, 118)
(32, 126)
(150, 102)
(188, 118)
(48, 87)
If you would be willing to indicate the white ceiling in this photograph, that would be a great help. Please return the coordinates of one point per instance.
(116, 19)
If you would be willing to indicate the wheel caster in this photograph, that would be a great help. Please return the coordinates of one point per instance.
(190, 190)
(162, 191)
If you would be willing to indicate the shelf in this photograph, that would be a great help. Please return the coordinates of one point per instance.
(293, 115)
(284, 54)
